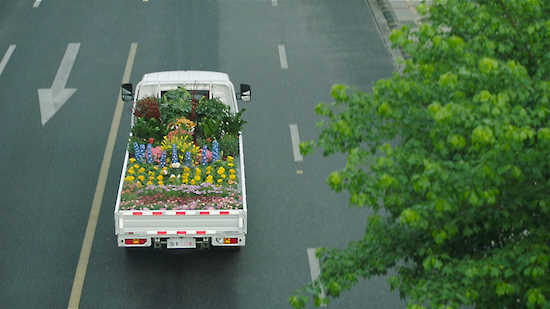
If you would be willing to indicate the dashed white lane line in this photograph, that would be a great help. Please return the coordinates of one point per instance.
(6, 58)
(36, 3)
(295, 137)
(315, 269)
(282, 56)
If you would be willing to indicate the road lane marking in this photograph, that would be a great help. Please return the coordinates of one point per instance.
(78, 283)
(36, 3)
(52, 99)
(282, 56)
(295, 137)
(274, 3)
(6, 58)
(314, 269)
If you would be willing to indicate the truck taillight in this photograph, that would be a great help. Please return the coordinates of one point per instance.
(230, 240)
(137, 241)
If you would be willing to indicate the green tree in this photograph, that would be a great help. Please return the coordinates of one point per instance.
(453, 156)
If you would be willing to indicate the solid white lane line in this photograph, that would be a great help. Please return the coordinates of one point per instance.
(6, 58)
(274, 3)
(80, 274)
(282, 56)
(36, 3)
(314, 268)
(295, 137)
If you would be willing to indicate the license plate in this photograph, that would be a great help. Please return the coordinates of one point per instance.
(174, 243)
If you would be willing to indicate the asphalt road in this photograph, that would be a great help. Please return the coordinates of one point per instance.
(49, 172)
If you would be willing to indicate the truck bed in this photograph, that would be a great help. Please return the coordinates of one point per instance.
(164, 224)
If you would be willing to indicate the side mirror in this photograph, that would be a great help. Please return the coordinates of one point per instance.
(127, 92)
(245, 93)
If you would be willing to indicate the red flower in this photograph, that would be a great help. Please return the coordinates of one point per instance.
(151, 140)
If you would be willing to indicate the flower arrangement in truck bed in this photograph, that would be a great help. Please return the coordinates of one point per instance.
(182, 155)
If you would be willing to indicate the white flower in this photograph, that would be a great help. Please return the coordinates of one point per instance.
(172, 176)
(176, 165)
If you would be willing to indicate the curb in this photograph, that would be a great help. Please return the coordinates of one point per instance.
(389, 13)
(392, 20)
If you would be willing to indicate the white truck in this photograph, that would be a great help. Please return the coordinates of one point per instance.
(185, 225)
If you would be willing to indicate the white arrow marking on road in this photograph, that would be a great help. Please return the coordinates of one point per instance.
(53, 98)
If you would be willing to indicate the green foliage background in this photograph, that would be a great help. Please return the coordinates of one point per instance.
(453, 155)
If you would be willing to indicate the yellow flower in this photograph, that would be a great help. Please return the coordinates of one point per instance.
(223, 175)
(160, 178)
(220, 180)
(161, 183)
(229, 159)
(230, 164)
(197, 178)
(232, 177)
(156, 168)
(141, 170)
(141, 178)
(131, 171)
(186, 169)
(198, 171)
(129, 178)
(192, 181)
(151, 173)
(232, 171)
(221, 170)
(132, 160)
(136, 166)
(149, 183)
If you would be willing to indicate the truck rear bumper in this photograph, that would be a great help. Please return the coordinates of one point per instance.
(134, 241)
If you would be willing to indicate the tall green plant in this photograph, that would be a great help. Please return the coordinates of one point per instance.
(143, 130)
(175, 104)
(232, 123)
(212, 109)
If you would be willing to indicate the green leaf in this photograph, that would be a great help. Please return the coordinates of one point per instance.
(335, 289)
(307, 147)
(339, 92)
(335, 181)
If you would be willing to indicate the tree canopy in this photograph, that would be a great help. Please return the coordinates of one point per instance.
(453, 155)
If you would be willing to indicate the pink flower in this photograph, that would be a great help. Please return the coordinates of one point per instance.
(157, 152)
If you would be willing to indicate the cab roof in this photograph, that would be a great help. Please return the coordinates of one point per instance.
(193, 76)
